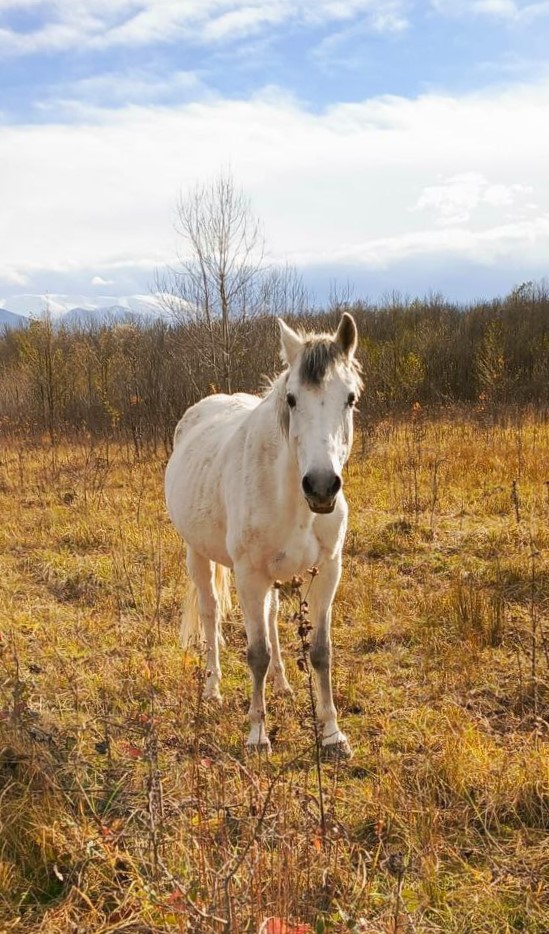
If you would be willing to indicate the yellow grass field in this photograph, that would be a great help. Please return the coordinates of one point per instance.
(127, 804)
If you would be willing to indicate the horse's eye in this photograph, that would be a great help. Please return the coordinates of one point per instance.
(351, 399)
(290, 399)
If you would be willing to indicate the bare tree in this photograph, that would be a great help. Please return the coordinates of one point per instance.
(217, 287)
(284, 292)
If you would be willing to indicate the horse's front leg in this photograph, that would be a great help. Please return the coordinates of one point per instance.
(321, 595)
(253, 594)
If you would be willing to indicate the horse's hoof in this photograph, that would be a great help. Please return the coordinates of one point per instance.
(283, 689)
(332, 752)
(213, 697)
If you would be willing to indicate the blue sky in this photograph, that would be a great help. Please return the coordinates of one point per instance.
(399, 145)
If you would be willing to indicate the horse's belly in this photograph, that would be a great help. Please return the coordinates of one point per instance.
(194, 502)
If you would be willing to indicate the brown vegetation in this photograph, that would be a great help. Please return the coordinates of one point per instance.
(123, 382)
(127, 804)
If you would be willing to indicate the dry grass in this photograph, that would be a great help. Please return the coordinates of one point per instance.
(128, 805)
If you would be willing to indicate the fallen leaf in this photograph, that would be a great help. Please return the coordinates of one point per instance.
(133, 751)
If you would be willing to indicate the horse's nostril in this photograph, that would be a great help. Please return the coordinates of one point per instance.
(308, 487)
(336, 486)
(322, 486)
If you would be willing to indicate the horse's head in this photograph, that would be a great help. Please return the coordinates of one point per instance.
(321, 388)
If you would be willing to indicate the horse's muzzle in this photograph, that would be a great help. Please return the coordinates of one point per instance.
(321, 488)
(321, 508)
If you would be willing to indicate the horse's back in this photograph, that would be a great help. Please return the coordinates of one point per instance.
(208, 411)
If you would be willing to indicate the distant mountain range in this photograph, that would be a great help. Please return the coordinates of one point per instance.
(10, 320)
(84, 317)
(80, 311)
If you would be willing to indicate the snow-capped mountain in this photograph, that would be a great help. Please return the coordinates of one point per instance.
(112, 314)
(81, 310)
(10, 320)
(32, 305)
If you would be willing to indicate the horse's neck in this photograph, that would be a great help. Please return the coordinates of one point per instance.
(280, 456)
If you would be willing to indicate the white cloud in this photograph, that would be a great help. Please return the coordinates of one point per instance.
(139, 85)
(13, 276)
(244, 21)
(335, 186)
(506, 9)
(388, 20)
(102, 24)
(486, 246)
(510, 10)
(454, 200)
(343, 48)
(99, 280)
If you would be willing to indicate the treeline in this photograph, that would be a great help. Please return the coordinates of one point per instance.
(124, 380)
(120, 380)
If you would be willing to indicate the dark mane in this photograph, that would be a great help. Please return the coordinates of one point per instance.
(319, 357)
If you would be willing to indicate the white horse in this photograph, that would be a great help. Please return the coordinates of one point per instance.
(254, 484)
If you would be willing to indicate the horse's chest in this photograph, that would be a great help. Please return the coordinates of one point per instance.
(294, 556)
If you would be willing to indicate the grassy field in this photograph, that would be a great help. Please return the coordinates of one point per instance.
(127, 804)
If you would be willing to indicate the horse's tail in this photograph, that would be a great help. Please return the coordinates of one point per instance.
(192, 632)
(223, 589)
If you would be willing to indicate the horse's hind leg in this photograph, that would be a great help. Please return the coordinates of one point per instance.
(253, 592)
(276, 668)
(201, 572)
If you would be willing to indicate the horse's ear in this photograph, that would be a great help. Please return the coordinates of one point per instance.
(347, 335)
(290, 342)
